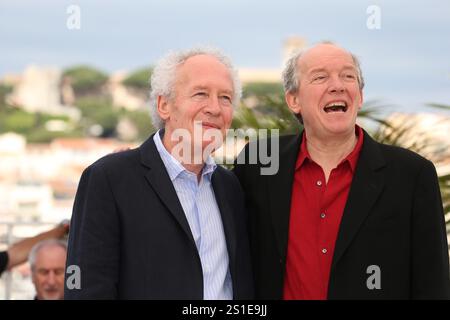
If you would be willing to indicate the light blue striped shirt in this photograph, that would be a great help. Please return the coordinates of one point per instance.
(203, 215)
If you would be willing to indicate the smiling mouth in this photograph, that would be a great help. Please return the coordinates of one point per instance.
(339, 106)
(210, 125)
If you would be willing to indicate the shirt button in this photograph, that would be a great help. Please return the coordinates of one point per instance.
(319, 183)
(323, 215)
(324, 251)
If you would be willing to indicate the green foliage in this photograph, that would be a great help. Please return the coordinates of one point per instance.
(271, 113)
(139, 79)
(31, 125)
(42, 135)
(142, 121)
(4, 90)
(260, 89)
(85, 79)
(439, 106)
(16, 120)
(98, 110)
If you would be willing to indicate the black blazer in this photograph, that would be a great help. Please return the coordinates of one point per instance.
(130, 236)
(393, 219)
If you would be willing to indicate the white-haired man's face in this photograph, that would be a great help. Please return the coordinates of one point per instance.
(203, 101)
(48, 273)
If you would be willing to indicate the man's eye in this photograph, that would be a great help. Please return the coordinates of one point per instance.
(43, 272)
(319, 78)
(226, 98)
(200, 94)
(59, 272)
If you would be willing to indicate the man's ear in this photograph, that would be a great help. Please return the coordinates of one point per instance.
(163, 107)
(292, 102)
(362, 100)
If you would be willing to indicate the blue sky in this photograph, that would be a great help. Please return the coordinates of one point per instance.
(406, 63)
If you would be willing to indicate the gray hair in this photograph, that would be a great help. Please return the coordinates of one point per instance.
(164, 77)
(41, 245)
(291, 74)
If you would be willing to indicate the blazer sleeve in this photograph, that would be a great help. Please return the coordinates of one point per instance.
(430, 262)
(94, 244)
(3, 261)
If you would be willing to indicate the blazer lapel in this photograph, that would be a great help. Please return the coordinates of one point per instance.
(367, 185)
(223, 202)
(279, 190)
(159, 180)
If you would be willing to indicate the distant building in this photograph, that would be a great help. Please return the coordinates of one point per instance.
(39, 90)
(290, 46)
(123, 96)
(251, 75)
(38, 182)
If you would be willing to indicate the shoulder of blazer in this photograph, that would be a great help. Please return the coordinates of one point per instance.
(226, 178)
(392, 156)
(113, 161)
(288, 146)
(116, 164)
(223, 173)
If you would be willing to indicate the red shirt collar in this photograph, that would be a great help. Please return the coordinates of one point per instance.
(352, 157)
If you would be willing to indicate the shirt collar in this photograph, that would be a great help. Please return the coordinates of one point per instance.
(351, 158)
(173, 166)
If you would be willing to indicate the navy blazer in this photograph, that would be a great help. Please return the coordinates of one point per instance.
(130, 236)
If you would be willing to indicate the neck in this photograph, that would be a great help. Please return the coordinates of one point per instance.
(192, 164)
(329, 152)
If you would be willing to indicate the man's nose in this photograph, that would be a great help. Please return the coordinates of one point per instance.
(51, 278)
(213, 106)
(336, 85)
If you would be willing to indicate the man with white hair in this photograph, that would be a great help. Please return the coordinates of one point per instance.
(18, 252)
(163, 221)
(47, 261)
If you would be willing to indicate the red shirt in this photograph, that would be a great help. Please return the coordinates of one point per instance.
(316, 212)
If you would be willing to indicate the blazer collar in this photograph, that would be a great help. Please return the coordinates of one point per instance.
(159, 180)
(279, 190)
(367, 184)
(224, 202)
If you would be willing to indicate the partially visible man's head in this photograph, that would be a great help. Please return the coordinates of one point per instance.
(48, 262)
(323, 86)
(195, 85)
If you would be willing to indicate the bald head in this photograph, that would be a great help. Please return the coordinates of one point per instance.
(302, 60)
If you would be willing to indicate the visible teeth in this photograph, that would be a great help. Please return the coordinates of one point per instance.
(336, 106)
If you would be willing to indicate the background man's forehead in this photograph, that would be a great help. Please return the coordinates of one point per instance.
(321, 62)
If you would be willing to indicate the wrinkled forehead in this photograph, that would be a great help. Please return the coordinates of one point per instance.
(202, 65)
(324, 55)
